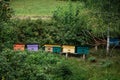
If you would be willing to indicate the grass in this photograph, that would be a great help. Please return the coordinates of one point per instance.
(102, 69)
(35, 7)
(105, 68)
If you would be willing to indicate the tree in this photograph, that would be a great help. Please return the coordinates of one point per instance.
(89, 22)
(109, 11)
(5, 15)
(70, 24)
(5, 11)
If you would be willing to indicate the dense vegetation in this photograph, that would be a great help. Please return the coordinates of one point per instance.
(5, 11)
(72, 24)
(32, 66)
(17, 65)
(86, 20)
(90, 20)
(69, 25)
(5, 15)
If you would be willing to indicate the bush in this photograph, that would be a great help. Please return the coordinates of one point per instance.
(14, 66)
(92, 59)
(25, 65)
(106, 63)
(26, 31)
(63, 72)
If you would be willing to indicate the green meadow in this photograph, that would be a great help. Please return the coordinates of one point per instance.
(36, 7)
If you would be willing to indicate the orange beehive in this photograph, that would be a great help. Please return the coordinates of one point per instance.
(20, 47)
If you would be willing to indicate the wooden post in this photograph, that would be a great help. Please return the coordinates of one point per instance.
(84, 56)
(66, 55)
(96, 47)
(60, 53)
(108, 41)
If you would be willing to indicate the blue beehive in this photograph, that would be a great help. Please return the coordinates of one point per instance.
(114, 41)
(32, 47)
(82, 50)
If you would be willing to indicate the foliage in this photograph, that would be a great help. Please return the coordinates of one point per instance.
(77, 23)
(108, 10)
(28, 65)
(70, 24)
(38, 31)
(92, 59)
(106, 63)
(25, 31)
(5, 11)
(107, 5)
(24, 65)
(90, 20)
(64, 72)
(5, 15)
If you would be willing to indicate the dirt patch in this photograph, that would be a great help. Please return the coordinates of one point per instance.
(32, 17)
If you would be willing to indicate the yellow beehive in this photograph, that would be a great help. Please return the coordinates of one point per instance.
(68, 49)
(49, 48)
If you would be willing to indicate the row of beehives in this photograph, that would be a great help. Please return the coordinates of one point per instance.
(53, 48)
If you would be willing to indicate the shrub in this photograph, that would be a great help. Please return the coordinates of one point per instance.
(106, 63)
(25, 65)
(63, 72)
(13, 66)
(92, 59)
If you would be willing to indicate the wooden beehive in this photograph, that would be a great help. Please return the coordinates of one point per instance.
(68, 49)
(114, 41)
(57, 49)
(82, 50)
(50, 48)
(32, 47)
(20, 47)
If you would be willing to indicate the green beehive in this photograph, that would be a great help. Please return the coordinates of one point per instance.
(52, 48)
(82, 50)
(56, 49)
